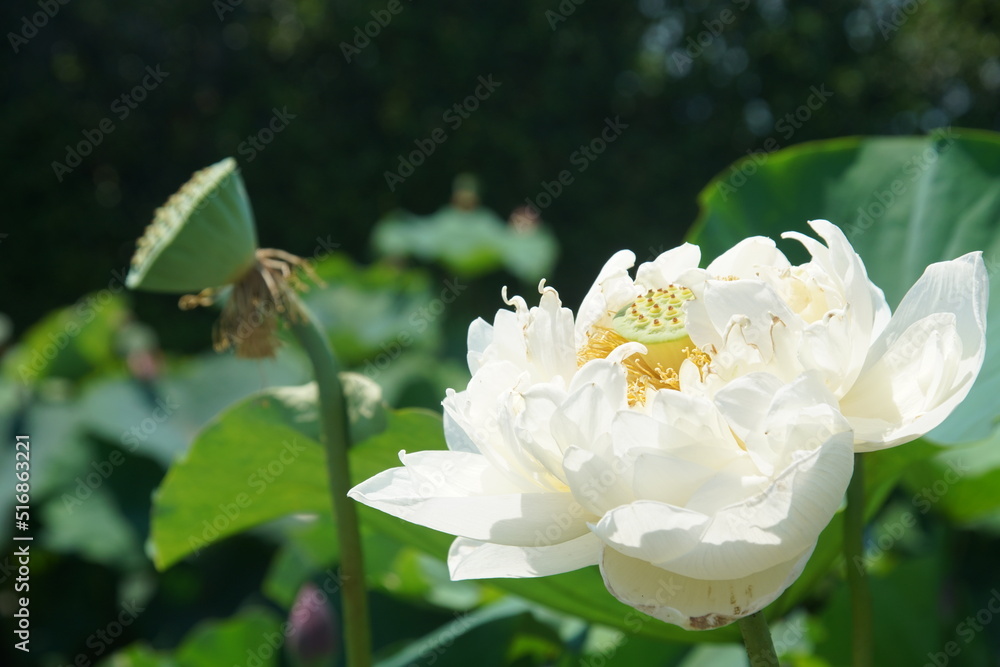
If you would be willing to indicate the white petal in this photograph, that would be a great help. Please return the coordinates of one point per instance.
(925, 362)
(549, 339)
(679, 426)
(534, 426)
(443, 494)
(486, 412)
(598, 392)
(511, 449)
(696, 604)
(454, 474)
(668, 478)
(913, 388)
(745, 402)
(768, 527)
(508, 343)
(635, 432)
(652, 531)
(667, 267)
(743, 259)
(800, 415)
(733, 482)
(749, 326)
(598, 482)
(474, 411)
(960, 286)
(456, 437)
(480, 337)
(692, 414)
(472, 559)
(612, 289)
(831, 346)
(759, 303)
(869, 311)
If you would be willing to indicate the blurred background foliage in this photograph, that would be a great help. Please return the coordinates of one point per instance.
(323, 175)
(692, 86)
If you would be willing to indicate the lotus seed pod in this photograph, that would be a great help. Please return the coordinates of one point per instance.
(657, 320)
(203, 237)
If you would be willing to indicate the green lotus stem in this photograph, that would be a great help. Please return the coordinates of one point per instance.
(862, 638)
(336, 439)
(757, 638)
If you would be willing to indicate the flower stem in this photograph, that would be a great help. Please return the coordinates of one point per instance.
(336, 439)
(857, 579)
(756, 636)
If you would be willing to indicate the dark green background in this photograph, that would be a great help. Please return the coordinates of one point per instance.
(323, 175)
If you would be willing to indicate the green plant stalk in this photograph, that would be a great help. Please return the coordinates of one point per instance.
(862, 639)
(336, 439)
(757, 638)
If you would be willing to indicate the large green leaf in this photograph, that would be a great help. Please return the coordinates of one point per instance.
(161, 418)
(962, 482)
(387, 323)
(375, 311)
(260, 460)
(468, 242)
(904, 202)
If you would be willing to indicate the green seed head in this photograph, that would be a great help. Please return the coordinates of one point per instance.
(204, 236)
(655, 317)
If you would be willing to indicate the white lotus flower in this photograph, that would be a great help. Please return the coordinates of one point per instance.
(750, 311)
(691, 432)
(555, 464)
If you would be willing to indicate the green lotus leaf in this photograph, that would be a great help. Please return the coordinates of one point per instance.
(469, 242)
